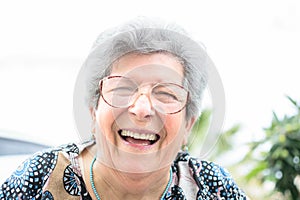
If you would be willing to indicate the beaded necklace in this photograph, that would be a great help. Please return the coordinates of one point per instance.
(98, 196)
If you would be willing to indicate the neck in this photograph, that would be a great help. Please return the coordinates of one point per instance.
(113, 184)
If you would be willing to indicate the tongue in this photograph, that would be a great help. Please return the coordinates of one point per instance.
(138, 141)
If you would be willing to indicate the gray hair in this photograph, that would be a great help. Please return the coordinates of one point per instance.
(146, 36)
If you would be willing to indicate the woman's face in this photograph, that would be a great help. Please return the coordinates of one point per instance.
(139, 137)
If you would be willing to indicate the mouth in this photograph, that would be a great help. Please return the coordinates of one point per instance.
(138, 138)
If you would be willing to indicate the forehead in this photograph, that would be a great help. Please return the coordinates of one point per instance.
(149, 67)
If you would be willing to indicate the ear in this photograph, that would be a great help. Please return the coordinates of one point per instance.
(93, 115)
(188, 127)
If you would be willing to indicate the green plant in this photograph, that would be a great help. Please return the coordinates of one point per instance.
(199, 130)
(277, 156)
(223, 143)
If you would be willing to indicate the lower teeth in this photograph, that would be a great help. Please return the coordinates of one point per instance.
(137, 141)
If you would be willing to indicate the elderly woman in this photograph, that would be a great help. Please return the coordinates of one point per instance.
(144, 84)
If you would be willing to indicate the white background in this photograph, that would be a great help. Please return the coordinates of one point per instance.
(254, 44)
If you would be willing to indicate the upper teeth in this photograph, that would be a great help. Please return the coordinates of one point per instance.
(141, 136)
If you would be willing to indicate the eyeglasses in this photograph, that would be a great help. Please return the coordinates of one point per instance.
(122, 92)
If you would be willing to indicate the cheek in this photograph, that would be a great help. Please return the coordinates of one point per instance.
(174, 125)
(105, 117)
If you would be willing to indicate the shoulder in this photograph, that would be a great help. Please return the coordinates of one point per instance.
(30, 177)
(211, 179)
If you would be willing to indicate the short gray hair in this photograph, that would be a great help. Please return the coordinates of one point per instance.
(146, 36)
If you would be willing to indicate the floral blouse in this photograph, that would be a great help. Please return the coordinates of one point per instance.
(55, 174)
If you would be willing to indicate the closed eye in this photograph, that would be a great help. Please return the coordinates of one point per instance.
(165, 97)
(123, 90)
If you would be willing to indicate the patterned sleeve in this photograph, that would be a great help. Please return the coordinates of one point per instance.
(231, 190)
(28, 179)
(214, 182)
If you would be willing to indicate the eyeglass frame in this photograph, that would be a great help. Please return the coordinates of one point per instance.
(100, 85)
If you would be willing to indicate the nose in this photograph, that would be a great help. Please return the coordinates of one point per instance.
(142, 108)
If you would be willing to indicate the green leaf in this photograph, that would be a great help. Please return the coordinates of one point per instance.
(257, 170)
(293, 101)
(199, 130)
(275, 118)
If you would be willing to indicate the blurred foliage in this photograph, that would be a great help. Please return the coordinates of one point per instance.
(199, 133)
(199, 130)
(275, 158)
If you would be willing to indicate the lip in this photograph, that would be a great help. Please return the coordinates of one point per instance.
(140, 131)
